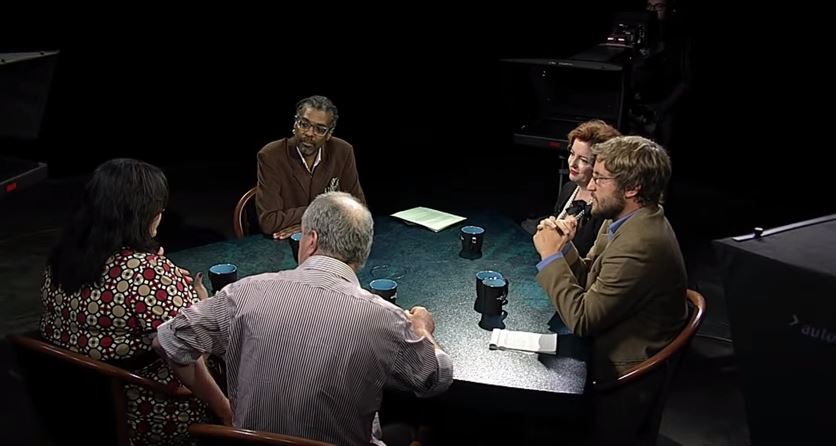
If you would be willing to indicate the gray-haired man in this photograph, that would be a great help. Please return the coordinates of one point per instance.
(308, 351)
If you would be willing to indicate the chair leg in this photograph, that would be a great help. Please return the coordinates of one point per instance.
(120, 406)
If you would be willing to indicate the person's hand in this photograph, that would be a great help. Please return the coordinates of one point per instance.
(286, 232)
(202, 294)
(567, 226)
(546, 222)
(422, 320)
(185, 274)
(161, 251)
(564, 226)
(553, 234)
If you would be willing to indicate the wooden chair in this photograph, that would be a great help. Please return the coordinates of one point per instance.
(245, 217)
(669, 353)
(214, 434)
(79, 399)
(665, 361)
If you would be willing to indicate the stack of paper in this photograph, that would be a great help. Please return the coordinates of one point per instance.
(525, 341)
(429, 218)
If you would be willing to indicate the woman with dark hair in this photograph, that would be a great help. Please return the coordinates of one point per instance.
(108, 286)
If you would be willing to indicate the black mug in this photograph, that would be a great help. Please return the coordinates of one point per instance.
(495, 295)
(489, 322)
(480, 287)
(471, 238)
(221, 275)
(385, 288)
(293, 241)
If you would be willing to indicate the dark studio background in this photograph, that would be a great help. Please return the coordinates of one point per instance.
(422, 96)
(430, 110)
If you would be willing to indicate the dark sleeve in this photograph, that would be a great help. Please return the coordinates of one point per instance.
(349, 177)
(563, 197)
(586, 235)
(270, 203)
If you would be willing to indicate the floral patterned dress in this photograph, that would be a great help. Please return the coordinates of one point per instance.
(115, 319)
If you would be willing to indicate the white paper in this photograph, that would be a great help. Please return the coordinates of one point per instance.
(429, 218)
(524, 341)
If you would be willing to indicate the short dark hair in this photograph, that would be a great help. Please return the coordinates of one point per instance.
(319, 103)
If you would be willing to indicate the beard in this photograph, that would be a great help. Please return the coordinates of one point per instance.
(608, 208)
(307, 148)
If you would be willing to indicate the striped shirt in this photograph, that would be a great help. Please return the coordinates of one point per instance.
(308, 351)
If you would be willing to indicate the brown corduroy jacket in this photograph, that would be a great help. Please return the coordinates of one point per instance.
(285, 187)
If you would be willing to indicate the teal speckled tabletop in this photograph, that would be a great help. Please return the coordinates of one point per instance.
(430, 273)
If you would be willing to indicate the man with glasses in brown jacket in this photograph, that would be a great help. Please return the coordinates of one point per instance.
(293, 171)
(628, 294)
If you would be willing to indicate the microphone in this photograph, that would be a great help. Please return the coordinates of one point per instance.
(578, 210)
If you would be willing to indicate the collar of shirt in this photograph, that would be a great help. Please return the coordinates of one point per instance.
(617, 224)
(333, 266)
(316, 162)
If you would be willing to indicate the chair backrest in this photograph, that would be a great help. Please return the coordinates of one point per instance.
(213, 434)
(697, 314)
(665, 361)
(244, 217)
(68, 388)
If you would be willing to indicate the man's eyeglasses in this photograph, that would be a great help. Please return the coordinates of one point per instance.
(305, 125)
(598, 180)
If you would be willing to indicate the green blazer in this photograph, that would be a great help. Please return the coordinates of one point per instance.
(628, 295)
